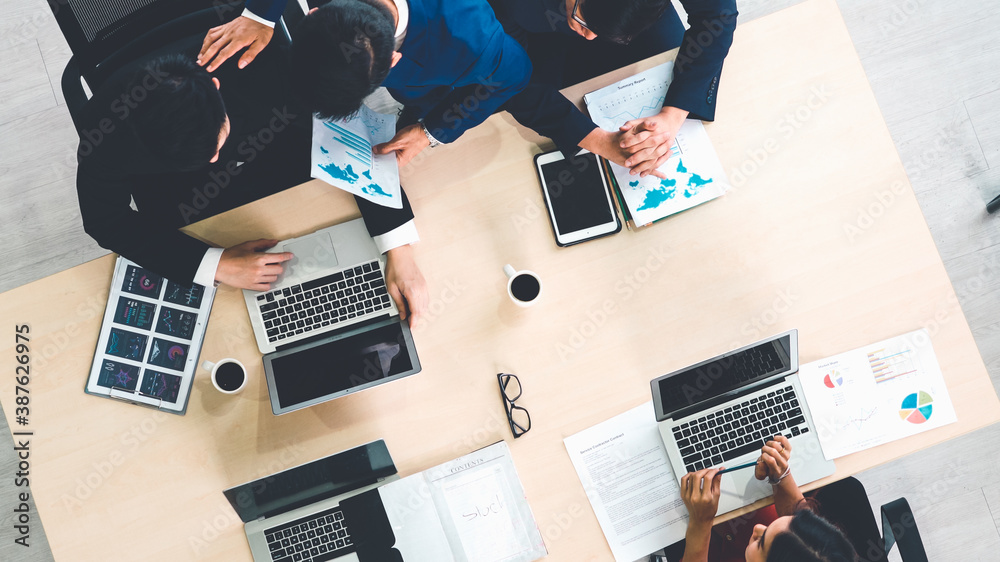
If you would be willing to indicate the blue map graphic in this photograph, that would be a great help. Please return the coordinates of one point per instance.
(374, 189)
(348, 174)
(657, 196)
(323, 150)
(634, 183)
(680, 167)
(367, 174)
(695, 185)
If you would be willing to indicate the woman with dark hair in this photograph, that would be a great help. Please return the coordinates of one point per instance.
(798, 534)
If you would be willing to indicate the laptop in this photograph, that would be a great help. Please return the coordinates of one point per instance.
(295, 515)
(327, 327)
(721, 411)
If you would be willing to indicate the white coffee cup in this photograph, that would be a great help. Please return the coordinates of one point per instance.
(523, 287)
(228, 385)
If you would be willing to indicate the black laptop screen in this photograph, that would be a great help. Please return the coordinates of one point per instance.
(356, 360)
(718, 377)
(312, 482)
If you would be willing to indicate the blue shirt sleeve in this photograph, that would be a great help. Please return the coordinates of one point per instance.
(501, 72)
(698, 66)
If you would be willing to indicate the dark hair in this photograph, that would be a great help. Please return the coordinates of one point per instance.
(810, 538)
(621, 20)
(341, 53)
(178, 112)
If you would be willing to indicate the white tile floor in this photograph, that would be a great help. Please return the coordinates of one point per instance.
(933, 67)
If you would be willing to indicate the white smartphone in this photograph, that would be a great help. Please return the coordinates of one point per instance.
(577, 197)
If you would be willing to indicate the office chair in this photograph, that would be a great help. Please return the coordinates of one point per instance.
(845, 503)
(105, 35)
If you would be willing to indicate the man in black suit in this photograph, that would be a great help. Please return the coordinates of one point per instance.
(165, 144)
(570, 41)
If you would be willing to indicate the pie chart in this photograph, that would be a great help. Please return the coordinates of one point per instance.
(833, 380)
(917, 407)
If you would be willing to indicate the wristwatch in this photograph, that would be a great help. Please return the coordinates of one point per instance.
(430, 138)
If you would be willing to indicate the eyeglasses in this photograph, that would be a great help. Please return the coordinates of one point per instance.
(517, 417)
(576, 17)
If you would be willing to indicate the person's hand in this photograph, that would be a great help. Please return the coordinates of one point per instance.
(575, 25)
(773, 461)
(407, 143)
(700, 492)
(406, 284)
(609, 145)
(246, 266)
(227, 39)
(649, 140)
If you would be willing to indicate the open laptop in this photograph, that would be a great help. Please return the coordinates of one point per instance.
(327, 327)
(295, 515)
(721, 411)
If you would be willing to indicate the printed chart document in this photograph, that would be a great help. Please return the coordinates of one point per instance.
(876, 394)
(472, 509)
(624, 469)
(342, 156)
(694, 173)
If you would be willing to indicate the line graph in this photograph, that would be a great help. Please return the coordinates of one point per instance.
(858, 421)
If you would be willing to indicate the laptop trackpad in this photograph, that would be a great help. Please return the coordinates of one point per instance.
(315, 253)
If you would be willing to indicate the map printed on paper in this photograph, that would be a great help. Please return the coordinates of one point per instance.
(342, 156)
(694, 173)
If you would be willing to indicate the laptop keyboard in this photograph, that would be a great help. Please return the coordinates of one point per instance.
(315, 538)
(351, 293)
(726, 434)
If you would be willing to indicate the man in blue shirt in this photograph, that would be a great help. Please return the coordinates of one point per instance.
(450, 62)
(560, 37)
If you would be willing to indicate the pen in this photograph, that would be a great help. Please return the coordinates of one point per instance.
(740, 467)
(993, 205)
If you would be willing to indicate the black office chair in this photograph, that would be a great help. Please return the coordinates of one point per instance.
(105, 35)
(845, 503)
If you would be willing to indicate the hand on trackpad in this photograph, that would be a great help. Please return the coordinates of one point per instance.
(311, 255)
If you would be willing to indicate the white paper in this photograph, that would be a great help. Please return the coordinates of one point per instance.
(482, 505)
(342, 156)
(694, 173)
(876, 394)
(414, 519)
(625, 471)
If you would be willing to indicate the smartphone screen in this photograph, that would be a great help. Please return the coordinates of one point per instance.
(577, 193)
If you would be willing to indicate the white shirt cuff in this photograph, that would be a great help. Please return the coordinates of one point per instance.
(205, 276)
(402, 235)
(248, 14)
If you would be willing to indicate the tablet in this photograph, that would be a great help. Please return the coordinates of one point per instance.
(577, 197)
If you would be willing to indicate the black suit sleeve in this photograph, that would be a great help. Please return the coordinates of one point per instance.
(142, 238)
(379, 219)
(698, 66)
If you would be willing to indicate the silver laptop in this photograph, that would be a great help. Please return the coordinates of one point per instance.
(295, 515)
(327, 327)
(721, 411)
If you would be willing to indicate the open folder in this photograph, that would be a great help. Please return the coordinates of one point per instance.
(470, 509)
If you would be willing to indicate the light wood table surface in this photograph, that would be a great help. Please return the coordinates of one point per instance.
(821, 233)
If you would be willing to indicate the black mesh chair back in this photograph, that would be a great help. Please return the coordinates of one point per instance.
(96, 29)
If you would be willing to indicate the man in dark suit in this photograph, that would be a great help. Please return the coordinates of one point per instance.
(448, 61)
(560, 39)
(166, 144)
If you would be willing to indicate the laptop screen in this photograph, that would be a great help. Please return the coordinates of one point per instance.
(331, 367)
(312, 482)
(722, 375)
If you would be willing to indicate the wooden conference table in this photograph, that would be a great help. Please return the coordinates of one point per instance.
(821, 233)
